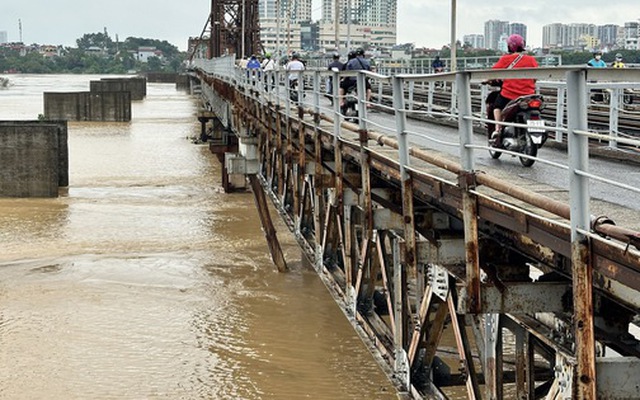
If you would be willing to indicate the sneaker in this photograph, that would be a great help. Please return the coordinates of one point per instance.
(495, 139)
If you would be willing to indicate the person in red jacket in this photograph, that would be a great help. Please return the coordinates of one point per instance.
(513, 88)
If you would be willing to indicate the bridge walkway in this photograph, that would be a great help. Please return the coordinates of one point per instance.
(538, 293)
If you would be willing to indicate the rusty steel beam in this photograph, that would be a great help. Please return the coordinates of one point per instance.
(267, 225)
(233, 21)
(353, 267)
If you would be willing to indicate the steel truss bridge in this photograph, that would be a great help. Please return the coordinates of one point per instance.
(413, 244)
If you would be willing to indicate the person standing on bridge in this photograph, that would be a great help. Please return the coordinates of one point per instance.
(269, 65)
(597, 61)
(334, 65)
(618, 62)
(512, 88)
(253, 69)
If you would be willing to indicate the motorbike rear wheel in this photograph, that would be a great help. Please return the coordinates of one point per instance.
(530, 149)
(494, 154)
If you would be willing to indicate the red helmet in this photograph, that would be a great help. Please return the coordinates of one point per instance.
(515, 43)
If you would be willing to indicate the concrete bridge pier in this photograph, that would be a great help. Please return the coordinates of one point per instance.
(34, 158)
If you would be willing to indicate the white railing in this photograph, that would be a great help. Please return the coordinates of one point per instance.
(575, 83)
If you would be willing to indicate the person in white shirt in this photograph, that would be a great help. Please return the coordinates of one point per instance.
(294, 65)
(268, 64)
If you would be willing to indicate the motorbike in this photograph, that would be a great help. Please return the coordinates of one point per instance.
(293, 90)
(350, 107)
(524, 110)
(603, 96)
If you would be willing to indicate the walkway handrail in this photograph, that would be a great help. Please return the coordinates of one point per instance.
(403, 84)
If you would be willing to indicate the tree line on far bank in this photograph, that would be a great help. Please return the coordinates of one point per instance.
(96, 53)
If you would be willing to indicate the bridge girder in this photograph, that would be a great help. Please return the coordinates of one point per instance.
(234, 22)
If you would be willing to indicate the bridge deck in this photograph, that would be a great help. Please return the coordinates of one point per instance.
(411, 243)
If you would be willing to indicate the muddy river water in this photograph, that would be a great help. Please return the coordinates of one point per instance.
(143, 280)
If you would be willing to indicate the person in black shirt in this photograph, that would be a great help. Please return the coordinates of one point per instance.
(355, 64)
(335, 65)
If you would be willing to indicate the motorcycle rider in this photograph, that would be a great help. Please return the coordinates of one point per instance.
(292, 66)
(597, 61)
(437, 65)
(618, 62)
(512, 88)
(339, 66)
(356, 64)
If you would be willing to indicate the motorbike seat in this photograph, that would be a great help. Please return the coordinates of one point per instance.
(512, 107)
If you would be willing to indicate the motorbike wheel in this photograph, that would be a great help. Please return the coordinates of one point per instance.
(530, 149)
(494, 154)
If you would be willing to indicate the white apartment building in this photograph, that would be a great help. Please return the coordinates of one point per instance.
(474, 40)
(373, 24)
(282, 34)
(588, 36)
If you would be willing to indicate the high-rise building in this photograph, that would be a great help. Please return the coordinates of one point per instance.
(281, 30)
(474, 40)
(632, 35)
(493, 31)
(552, 35)
(368, 22)
(362, 12)
(571, 36)
(3, 37)
(517, 28)
(295, 11)
(608, 35)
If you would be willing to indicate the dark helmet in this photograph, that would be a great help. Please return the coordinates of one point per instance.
(351, 55)
(597, 53)
(336, 56)
(359, 52)
(515, 43)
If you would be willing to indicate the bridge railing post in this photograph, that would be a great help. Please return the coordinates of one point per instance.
(614, 113)
(278, 78)
(316, 92)
(560, 96)
(465, 125)
(336, 106)
(300, 88)
(581, 267)
(401, 124)
(362, 101)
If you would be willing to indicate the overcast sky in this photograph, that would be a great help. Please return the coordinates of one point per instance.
(423, 22)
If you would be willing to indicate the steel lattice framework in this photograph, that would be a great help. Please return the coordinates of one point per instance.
(232, 23)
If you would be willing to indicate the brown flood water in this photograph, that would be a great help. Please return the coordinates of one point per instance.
(144, 281)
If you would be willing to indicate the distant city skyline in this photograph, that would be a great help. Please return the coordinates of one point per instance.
(426, 23)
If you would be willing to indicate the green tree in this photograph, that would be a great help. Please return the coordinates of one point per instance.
(99, 39)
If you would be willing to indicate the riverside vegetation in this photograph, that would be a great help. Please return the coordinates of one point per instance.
(96, 53)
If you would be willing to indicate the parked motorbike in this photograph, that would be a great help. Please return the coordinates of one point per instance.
(524, 110)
